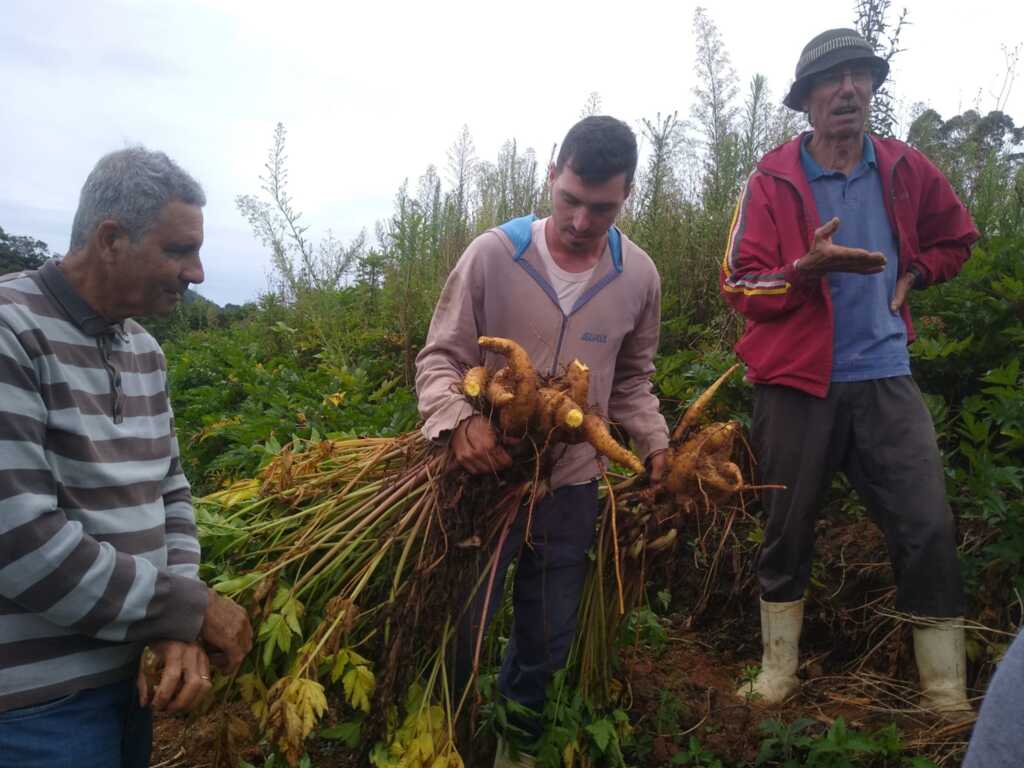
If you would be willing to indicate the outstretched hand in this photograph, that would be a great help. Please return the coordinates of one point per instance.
(825, 256)
(476, 447)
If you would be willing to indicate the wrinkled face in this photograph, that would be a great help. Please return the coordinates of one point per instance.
(838, 100)
(582, 213)
(153, 273)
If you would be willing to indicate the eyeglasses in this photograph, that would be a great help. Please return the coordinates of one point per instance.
(859, 76)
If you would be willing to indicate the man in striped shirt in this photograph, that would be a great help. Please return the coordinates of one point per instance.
(98, 549)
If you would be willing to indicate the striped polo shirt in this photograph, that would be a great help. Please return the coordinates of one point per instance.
(98, 548)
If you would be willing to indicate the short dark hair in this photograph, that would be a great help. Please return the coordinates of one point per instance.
(599, 147)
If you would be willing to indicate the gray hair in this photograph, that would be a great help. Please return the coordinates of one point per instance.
(131, 186)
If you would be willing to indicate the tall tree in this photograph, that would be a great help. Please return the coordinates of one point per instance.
(462, 166)
(872, 20)
(18, 252)
(755, 123)
(983, 158)
(715, 112)
(301, 264)
(656, 213)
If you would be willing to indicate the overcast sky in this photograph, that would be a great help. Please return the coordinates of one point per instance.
(373, 92)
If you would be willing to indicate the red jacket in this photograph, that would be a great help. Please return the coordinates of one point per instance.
(789, 328)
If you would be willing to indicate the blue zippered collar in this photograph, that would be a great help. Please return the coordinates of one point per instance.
(520, 233)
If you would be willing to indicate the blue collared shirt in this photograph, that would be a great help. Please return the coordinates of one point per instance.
(870, 341)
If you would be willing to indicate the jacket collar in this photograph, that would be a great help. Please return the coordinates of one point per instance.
(77, 309)
(784, 160)
(519, 232)
(813, 169)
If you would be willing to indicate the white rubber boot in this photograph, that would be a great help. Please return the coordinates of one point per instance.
(942, 666)
(502, 759)
(780, 639)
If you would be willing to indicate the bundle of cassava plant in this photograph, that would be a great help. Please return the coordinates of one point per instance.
(352, 557)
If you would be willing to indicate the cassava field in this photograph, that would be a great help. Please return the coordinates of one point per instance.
(354, 544)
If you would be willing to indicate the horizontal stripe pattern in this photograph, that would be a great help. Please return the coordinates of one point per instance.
(98, 546)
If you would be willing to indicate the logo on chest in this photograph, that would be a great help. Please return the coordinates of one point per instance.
(596, 338)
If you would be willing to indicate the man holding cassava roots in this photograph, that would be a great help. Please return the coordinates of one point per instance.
(831, 232)
(98, 549)
(568, 286)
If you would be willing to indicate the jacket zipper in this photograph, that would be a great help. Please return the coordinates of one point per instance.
(889, 209)
(558, 347)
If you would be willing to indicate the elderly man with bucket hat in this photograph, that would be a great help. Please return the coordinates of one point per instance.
(831, 231)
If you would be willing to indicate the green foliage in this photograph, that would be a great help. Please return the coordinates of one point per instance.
(872, 21)
(800, 744)
(981, 157)
(644, 627)
(240, 391)
(968, 360)
(696, 755)
(573, 728)
(683, 374)
(18, 252)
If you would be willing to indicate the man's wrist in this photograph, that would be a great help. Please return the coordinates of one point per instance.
(919, 281)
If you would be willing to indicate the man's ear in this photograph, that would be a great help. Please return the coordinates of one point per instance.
(110, 240)
(552, 173)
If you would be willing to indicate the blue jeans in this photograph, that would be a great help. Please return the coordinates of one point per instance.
(549, 580)
(93, 728)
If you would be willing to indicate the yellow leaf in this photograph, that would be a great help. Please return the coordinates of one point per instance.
(424, 744)
(251, 688)
(335, 399)
(295, 706)
(237, 493)
(340, 662)
(310, 702)
(568, 754)
(356, 659)
(359, 682)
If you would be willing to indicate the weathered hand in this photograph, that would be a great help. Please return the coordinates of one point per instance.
(824, 256)
(184, 677)
(656, 465)
(227, 631)
(476, 447)
(903, 286)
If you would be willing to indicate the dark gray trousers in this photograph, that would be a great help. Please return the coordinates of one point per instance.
(549, 578)
(880, 435)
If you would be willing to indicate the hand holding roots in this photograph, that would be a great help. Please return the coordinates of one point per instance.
(700, 474)
(520, 404)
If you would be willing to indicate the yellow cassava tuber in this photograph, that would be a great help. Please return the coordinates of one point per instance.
(577, 382)
(498, 391)
(523, 383)
(597, 434)
(475, 381)
(554, 413)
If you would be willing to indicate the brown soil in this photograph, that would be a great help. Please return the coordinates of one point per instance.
(856, 659)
